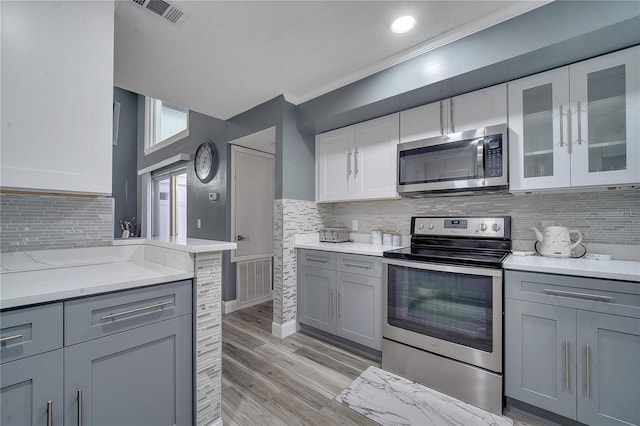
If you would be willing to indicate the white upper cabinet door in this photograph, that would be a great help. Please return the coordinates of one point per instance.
(538, 132)
(605, 119)
(57, 96)
(423, 122)
(475, 110)
(334, 165)
(374, 160)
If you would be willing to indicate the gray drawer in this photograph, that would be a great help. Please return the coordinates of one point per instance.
(317, 259)
(93, 317)
(589, 294)
(30, 331)
(370, 266)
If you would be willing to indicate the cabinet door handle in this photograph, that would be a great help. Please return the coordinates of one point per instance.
(587, 350)
(579, 112)
(331, 304)
(561, 127)
(79, 407)
(355, 163)
(133, 311)
(566, 364)
(573, 293)
(338, 307)
(6, 339)
(49, 413)
(358, 265)
(348, 164)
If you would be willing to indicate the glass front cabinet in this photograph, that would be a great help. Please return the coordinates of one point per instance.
(577, 126)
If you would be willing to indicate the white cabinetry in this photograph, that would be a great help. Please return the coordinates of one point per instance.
(577, 126)
(470, 111)
(57, 96)
(358, 162)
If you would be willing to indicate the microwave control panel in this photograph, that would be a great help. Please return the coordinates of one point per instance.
(493, 156)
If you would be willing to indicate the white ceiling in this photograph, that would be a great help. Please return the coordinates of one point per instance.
(225, 57)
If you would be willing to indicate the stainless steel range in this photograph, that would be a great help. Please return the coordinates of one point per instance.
(443, 307)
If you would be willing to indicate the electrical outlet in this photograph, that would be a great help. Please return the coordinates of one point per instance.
(354, 225)
(199, 224)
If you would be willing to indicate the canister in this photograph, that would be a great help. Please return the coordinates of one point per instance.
(387, 238)
(376, 236)
(397, 239)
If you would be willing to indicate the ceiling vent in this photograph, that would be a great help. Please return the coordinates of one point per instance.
(163, 9)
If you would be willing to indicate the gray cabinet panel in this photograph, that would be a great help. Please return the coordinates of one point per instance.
(612, 373)
(316, 298)
(363, 265)
(359, 314)
(539, 366)
(137, 377)
(27, 385)
(98, 316)
(30, 331)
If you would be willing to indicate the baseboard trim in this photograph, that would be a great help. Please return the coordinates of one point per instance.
(284, 330)
(229, 306)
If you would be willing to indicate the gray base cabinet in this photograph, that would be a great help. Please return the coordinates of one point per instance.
(573, 345)
(126, 360)
(341, 294)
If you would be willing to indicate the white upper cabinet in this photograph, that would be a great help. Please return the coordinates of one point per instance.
(358, 162)
(57, 96)
(473, 110)
(577, 126)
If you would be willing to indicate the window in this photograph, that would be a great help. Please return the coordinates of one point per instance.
(165, 123)
(169, 204)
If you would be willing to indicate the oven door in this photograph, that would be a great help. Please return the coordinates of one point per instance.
(453, 311)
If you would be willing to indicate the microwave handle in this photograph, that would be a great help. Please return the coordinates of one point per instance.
(480, 157)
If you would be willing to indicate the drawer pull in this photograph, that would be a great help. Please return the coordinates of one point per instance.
(317, 259)
(133, 311)
(572, 293)
(6, 339)
(358, 265)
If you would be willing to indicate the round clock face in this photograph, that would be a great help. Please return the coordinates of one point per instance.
(206, 162)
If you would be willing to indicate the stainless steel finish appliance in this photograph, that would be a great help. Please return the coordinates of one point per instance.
(443, 307)
(334, 235)
(458, 162)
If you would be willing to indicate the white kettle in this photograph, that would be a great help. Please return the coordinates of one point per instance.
(555, 241)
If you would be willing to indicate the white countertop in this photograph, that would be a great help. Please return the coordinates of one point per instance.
(625, 270)
(189, 245)
(311, 242)
(48, 285)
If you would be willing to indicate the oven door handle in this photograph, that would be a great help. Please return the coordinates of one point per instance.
(428, 266)
(480, 158)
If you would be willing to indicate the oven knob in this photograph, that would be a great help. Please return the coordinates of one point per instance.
(421, 226)
(482, 226)
(495, 227)
(430, 226)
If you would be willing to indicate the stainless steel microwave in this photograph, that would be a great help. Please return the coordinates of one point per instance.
(458, 162)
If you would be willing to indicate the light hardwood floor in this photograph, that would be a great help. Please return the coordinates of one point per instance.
(292, 381)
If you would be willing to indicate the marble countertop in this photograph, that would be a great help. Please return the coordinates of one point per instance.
(189, 245)
(311, 242)
(624, 270)
(48, 285)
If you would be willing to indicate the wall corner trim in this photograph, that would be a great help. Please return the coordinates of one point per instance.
(284, 330)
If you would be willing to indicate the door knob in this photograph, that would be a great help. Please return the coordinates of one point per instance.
(240, 238)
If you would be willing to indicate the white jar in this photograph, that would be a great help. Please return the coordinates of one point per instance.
(376, 237)
(387, 238)
(397, 240)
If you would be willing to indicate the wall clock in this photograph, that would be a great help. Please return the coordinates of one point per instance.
(206, 162)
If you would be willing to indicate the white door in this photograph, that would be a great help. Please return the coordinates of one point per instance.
(539, 154)
(334, 165)
(375, 158)
(423, 122)
(606, 119)
(482, 108)
(252, 187)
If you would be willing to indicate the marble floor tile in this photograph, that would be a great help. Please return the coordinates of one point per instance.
(389, 399)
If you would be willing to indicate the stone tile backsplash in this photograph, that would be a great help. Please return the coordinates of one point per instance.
(607, 217)
(42, 222)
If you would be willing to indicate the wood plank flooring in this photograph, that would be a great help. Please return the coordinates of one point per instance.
(292, 381)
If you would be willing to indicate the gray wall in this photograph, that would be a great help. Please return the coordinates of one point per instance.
(556, 34)
(125, 156)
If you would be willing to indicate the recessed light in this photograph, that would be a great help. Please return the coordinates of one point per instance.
(403, 24)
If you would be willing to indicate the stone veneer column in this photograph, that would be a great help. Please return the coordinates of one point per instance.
(290, 217)
(208, 360)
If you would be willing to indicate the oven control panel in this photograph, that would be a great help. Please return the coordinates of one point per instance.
(490, 227)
